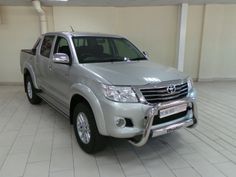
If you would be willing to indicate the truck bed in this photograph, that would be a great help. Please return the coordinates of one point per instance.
(27, 57)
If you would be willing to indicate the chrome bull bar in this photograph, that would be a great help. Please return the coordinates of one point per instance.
(157, 131)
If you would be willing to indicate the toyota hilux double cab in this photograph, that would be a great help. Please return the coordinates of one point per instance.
(107, 87)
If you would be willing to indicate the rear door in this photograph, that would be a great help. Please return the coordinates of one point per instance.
(43, 61)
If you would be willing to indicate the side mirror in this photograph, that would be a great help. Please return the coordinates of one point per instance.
(61, 58)
(146, 54)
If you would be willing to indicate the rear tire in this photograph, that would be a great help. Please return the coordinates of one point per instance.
(86, 131)
(31, 91)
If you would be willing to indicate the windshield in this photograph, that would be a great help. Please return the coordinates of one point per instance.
(105, 49)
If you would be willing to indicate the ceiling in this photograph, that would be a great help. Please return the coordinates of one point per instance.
(115, 2)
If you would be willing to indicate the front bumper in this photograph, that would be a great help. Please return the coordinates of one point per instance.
(153, 131)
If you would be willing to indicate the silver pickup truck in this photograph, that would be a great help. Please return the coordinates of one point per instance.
(106, 87)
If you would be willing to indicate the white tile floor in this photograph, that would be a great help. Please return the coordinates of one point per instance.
(36, 141)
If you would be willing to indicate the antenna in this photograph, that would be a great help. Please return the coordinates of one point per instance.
(72, 29)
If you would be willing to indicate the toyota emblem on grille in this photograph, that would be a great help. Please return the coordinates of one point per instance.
(171, 89)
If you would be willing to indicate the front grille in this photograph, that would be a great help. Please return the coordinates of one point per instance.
(160, 94)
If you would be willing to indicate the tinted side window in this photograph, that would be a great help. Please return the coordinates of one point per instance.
(47, 46)
(34, 49)
(62, 46)
(36, 43)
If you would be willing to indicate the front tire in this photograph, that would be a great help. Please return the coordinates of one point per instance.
(86, 131)
(31, 92)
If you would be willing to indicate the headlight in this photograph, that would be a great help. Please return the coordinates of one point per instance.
(190, 84)
(120, 94)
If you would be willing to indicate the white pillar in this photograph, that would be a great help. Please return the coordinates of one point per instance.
(182, 35)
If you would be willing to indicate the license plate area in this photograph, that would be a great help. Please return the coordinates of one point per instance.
(172, 110)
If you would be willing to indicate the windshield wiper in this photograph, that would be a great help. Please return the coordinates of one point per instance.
(113, 59)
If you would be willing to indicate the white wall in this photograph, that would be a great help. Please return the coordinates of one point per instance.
(19, 29)
(153, 29)
(210, 44)
(91, 19)
(218, 56)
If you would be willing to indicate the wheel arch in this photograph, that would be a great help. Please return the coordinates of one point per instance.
(76, 98)
(28, 71)
(81, 93)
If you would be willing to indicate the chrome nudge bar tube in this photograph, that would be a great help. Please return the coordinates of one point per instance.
(190, 120)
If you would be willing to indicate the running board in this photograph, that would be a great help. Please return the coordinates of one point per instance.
(47, 100)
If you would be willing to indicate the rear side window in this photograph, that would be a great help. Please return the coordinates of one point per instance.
(47, 46)
(36, 44)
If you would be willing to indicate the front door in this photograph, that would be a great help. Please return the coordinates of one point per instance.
(58, 77)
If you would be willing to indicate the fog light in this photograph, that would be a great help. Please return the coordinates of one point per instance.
(120, 122)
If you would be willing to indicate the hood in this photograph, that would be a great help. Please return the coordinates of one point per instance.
(134, 73)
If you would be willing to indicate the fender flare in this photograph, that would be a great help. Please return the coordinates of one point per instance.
(87, 93)
(30, 69)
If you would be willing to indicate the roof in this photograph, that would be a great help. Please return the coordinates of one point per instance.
(88, 34)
